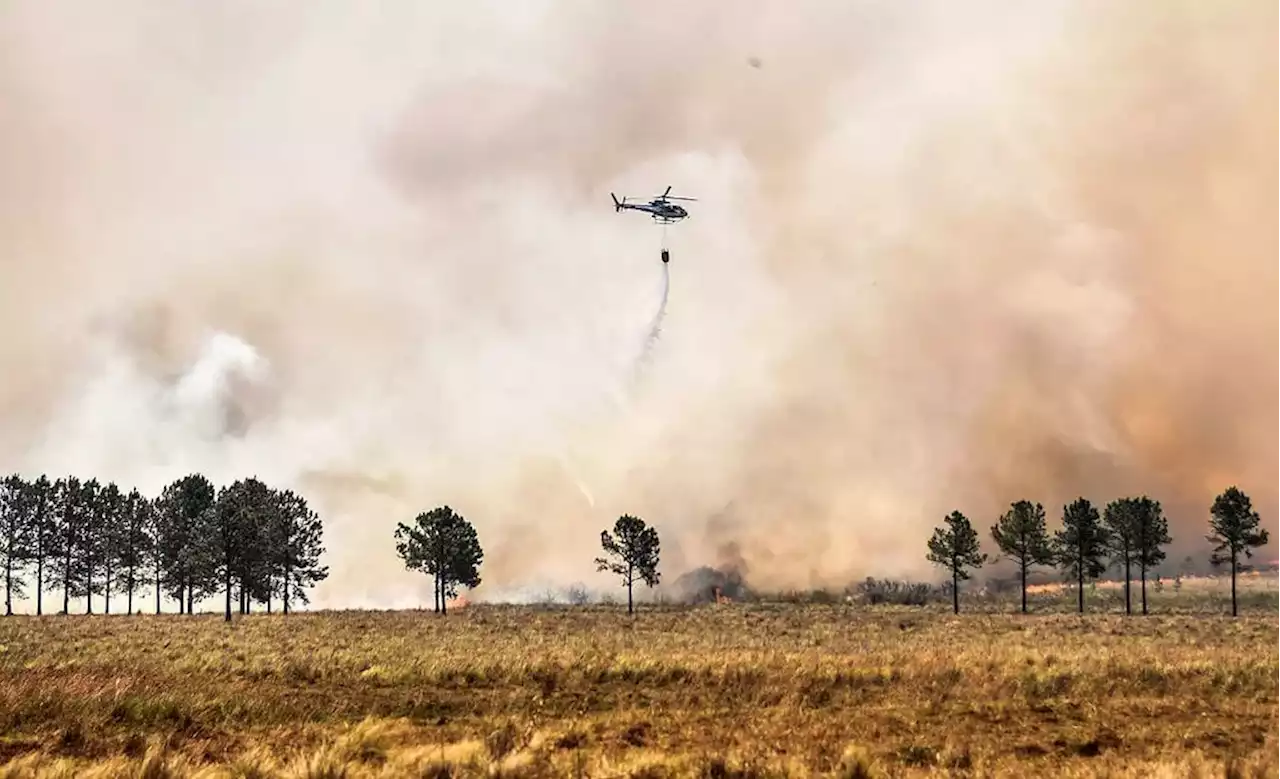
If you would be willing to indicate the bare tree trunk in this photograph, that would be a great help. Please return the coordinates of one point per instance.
(1024, 585)
(8, 586)
(1080, 584)
(1142, 571)
(955, 588)
(1128, 608)
(66, 582)
(88, 581)
(1234, 611)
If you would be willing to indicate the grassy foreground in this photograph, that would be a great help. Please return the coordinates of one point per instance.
(716, 691)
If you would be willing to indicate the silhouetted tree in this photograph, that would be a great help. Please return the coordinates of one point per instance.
(15, 537)
(1152, 533)
(252, 576)
(442, 544)
(1022, 537)
(261, 564)
(88, 539)
(297, 540)
(156, 517)
(135, 543)
(632, 552)
(955, 546)
(238, 518)
(1081, 544)
(88, 561)
(110, 529)
(68, 538)
(44, 530)
(183, 539)
(1235, 530)
(1120, 521)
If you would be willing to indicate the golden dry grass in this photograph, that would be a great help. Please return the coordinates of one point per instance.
(722, 690)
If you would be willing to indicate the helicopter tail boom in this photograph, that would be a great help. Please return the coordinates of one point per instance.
(616, 205)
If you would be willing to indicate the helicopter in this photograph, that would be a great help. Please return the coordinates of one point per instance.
(662, 210)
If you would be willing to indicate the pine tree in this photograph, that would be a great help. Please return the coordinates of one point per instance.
(1120, 521)
(15, 537)
(441, 543)
(632, 552)
(155, 526)
(955, 546)
(1081, 544)
(252, 576)
(112, 526)
(44, 531)
(183, 539)
(1235, 530)
(1152, 533)
(298, 543)
(67, 541)
(92, 542)
(239, 514)
(136, 545)
(1022, 537)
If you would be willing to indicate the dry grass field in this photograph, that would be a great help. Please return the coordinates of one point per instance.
(714, 691)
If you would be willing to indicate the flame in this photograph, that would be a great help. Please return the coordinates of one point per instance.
(460, 602)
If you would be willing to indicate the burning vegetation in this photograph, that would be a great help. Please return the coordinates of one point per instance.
(710, 585)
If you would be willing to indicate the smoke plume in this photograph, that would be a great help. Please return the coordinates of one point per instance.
(944, 255)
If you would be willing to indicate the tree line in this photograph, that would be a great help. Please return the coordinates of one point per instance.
(84, 539)
(1129, 533)
(444, 545)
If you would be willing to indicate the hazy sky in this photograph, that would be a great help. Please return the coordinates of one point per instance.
(945, 255)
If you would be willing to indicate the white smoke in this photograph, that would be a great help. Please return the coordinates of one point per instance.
(123, 424)
(202, 399)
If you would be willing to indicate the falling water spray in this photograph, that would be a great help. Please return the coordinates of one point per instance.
(655, 327)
